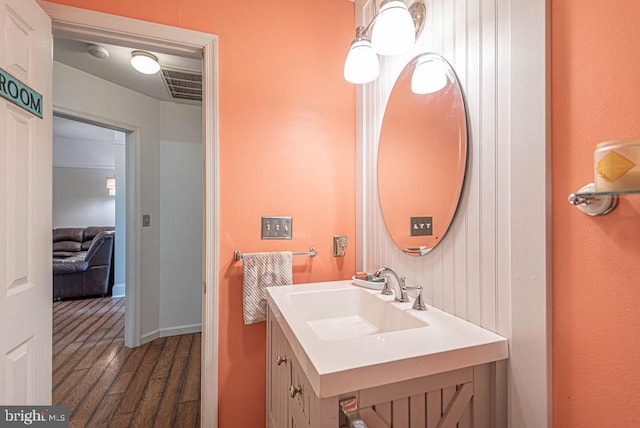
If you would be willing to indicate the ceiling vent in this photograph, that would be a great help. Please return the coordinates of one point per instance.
(183, 84)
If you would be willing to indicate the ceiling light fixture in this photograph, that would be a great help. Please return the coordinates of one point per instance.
(394, 30)
(145, 62)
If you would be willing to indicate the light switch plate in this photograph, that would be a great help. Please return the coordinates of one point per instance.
(277, 227)
(421, 226)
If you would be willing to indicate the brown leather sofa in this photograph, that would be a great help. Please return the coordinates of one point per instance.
(82, 262)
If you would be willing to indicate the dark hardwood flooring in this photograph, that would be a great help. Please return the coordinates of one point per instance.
(107, 385)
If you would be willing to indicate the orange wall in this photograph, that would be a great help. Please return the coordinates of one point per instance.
(596, 261)
(287, 147)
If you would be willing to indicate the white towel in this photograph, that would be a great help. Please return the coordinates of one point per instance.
(263, 270)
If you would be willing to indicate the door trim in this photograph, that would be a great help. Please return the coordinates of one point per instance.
(132, 333)
(80, 23)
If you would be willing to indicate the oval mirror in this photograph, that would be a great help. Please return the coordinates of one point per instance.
(422, 154)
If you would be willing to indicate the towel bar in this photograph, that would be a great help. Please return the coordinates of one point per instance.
(237, 255)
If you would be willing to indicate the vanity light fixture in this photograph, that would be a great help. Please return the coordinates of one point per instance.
(361, 65)
(394, 30)
(428, 77)
(145, 62)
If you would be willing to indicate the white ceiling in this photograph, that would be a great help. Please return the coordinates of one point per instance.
(74, 130)
(117, 69)
(82, 145)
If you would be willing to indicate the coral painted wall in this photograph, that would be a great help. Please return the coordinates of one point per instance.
(287, 147)
(596, 260)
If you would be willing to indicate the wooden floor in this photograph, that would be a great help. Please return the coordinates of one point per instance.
(107, 385)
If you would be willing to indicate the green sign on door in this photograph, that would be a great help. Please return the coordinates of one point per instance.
(20, 94)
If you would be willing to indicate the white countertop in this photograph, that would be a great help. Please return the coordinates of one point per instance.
(334, 367)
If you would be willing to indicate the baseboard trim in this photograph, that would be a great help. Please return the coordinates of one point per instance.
(118, 290)
(170, 331)
(148, 337)
(183, 329)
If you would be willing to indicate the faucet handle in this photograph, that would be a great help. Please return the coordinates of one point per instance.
(418, 304)
(403, 290)
(386, 289)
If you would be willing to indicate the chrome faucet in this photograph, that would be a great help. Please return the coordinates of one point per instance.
(399, 289)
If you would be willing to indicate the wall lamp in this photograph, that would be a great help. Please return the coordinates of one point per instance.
(111, 185)
(394, 30)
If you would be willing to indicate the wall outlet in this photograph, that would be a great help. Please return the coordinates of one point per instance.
(146, 220)
(277, 228)
(421, 226)
(339, 245)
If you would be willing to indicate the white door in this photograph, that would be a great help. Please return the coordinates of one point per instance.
(25, 207)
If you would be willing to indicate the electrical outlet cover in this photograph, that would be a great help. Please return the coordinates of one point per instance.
(339, 245)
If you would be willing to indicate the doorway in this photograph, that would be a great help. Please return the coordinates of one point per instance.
(83, 24)
(89, 185)
(170, 142)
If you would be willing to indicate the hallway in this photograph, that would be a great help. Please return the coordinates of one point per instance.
(106, 384)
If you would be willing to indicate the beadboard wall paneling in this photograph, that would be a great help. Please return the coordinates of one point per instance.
(464, 274)
(492, 266)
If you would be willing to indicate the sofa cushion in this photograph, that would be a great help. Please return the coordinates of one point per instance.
(68, 234)
(63, 254)
(91, 232)
(67, 246)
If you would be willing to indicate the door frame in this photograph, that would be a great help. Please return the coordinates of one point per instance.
(100, 27)
(133, 202)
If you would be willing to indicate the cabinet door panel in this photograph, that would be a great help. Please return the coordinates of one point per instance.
(279, 375)
(305, 395)
(297, 417)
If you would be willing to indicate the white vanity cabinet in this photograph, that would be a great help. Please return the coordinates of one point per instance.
(468, 397)
(289, 395)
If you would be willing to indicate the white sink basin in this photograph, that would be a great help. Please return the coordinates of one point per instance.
(348, 338)
(349, 313)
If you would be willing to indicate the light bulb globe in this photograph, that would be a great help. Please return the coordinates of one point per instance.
(362, 65)
(144, 62)
(393, 32)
